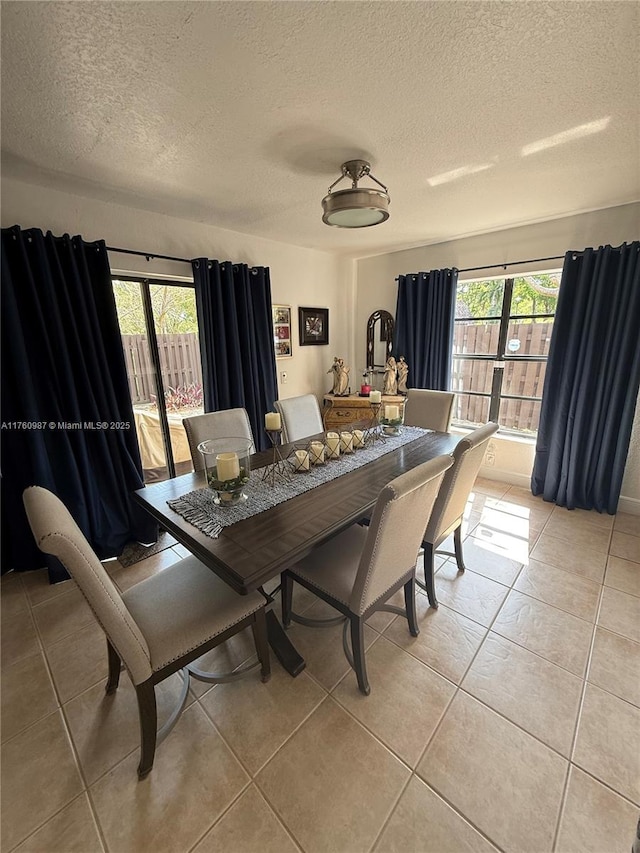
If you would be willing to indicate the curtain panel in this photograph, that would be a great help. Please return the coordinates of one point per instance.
(67, 419)
(233, 303)
(424, 326)
(592, 380)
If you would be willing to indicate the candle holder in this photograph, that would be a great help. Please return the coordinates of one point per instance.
(317, 452)
(359, 439)
(277, 469)
(332, 446)
(373, 432)
(391, 427)
(227, 468)
(346, 441)
(300, 459)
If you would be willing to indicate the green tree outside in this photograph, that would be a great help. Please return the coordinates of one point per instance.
(533, 294)
(174, 308)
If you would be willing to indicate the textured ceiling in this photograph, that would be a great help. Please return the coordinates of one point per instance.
(476, 115)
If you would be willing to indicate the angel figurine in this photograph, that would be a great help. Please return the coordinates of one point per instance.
(403, 373)
(390, 384)
(343, 379)
(335, 369)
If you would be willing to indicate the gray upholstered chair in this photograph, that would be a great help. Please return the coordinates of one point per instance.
(158, 626)
(429, 409)
(360, 569)
(227, 422)
(448, 509)
(300, 417)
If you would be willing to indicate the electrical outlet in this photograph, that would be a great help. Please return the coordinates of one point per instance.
(490, 458)
(284, 377)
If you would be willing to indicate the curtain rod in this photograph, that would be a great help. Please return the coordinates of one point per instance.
(513, 263)
(149, 255)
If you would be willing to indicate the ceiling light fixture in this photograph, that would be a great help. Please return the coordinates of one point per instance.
(358, 207)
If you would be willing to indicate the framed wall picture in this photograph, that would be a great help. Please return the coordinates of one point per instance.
(314, 326)
(282, 330)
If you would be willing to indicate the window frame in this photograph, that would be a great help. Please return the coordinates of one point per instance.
(145, 283)
(501, 357)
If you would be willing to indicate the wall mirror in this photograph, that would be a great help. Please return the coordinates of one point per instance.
(379, 340)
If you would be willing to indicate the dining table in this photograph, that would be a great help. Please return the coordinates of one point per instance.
(249, 553)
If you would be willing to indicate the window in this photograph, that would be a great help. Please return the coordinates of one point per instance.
(502, 332)
(159, 329)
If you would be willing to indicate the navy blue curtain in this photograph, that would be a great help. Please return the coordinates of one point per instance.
(592, 380)
(63, 369)
(424, 326)
(236, 340)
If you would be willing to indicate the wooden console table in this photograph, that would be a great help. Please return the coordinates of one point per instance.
(342, 411)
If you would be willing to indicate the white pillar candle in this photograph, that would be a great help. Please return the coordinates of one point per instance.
(228, 466)
(333, 445)
(375, 397)
(392, 413)
(346, 442)
(302, 460)
(316, 452)
(272, 421)
(358, 438)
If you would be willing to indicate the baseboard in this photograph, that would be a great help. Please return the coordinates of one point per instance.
(490, 472)
(630, 505)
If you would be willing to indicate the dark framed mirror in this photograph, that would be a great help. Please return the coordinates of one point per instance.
(379, 339)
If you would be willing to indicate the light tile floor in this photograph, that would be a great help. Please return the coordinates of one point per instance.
(511, 723)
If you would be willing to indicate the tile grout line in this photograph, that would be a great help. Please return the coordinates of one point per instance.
(563, 799)
(459, 689)
(444, 715)
(222, 814)
(392, 810)
(69, 737)
(279, 819)
(79, 796)
(74, 750)
(252, 775)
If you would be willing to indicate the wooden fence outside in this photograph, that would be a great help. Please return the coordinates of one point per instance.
(181, 366)
(525, 378)
(179, 360)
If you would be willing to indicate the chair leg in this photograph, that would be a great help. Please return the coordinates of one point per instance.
(410, 606)
(148, 725)
(259, 629)
(286, 594)
(429, 573)
(457, 543)
(115, 666)
(357, 648)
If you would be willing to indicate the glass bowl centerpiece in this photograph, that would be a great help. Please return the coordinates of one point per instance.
(391, 419)
(227, 468)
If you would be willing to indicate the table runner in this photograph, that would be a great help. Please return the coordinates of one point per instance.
(198, 507)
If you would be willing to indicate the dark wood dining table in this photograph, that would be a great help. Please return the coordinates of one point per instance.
(255, 550)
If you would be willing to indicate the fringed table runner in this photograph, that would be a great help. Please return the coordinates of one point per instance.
(199, 509)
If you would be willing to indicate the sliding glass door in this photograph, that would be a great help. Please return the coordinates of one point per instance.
(159, 329)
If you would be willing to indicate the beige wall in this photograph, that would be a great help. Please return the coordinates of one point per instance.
(299, 277)
(376, 288)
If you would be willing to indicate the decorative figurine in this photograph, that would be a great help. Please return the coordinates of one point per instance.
(335, 369)
(390, 385)
(403, 373)
(343, 379)
(340, 377)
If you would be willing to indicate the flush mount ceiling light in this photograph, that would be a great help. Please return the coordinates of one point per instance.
(358, 207)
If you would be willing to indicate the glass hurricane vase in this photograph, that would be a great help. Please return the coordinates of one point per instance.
(227, 467)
